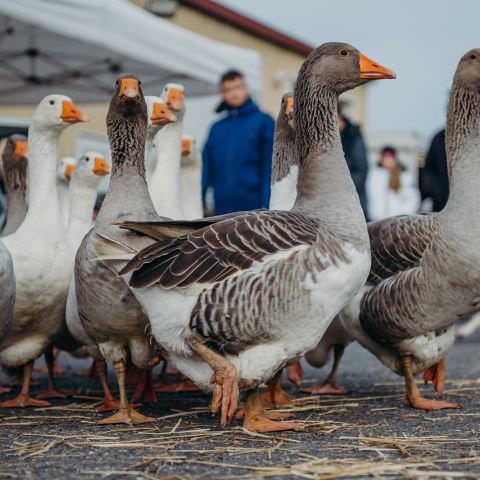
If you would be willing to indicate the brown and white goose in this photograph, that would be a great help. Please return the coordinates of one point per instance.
(111, 316)
(425, 273)
(14, 158)
(221, 299)
(283, 195)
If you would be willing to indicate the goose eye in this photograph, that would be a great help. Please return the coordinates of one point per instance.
(52, 102)
(116, 83)
(343, 53)
(473, 56)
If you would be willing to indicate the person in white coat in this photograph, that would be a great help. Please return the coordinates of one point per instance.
(391, 188)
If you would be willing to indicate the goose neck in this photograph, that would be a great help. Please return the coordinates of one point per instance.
(42, 165)
(462, 139)
(324, 188)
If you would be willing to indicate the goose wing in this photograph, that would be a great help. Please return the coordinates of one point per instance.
(216, 251)
(399, 243)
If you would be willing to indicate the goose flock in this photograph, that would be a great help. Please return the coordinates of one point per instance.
(230, 301)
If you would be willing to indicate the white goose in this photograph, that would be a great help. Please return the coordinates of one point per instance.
(238, 283)
(191, 179)
(39, 250)
(65, 169)
(164, 183)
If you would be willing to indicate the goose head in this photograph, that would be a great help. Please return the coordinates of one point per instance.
(91, 167)
(173, 94)
(158, 112)
(286, 110)
(57, 112)
(15, 151)
(65, 168)
(127, 101)
(468, 70)
(187, 145)
(339, 67)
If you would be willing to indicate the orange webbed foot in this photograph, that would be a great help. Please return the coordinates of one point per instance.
(324, 389)
(225, 393)
(23, 401)
(128, 416)
(422, 403)
(295, 373)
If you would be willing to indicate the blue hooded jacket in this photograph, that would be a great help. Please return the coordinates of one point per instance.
(237, 159)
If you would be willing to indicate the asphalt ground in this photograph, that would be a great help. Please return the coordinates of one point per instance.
(370, 432)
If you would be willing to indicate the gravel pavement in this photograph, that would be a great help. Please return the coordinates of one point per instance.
(368, 433)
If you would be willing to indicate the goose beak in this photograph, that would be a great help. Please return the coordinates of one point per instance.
(101, 167)
(20, 148)
(371, 70)
(185, 146)
(129, 89)
(161, 115)
(71, 113)
(69, 169)
(175, 99)
(289, 107)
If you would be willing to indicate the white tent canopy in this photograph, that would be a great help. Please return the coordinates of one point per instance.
(81, 46)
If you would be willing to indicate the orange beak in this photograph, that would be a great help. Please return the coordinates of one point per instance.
(161, 114)
(20, 148)
(101, 167)
(71, 113)
(175, 99)
(289, 107)
(129, 89)
(372, 70)
(69, 169)
(185, 146)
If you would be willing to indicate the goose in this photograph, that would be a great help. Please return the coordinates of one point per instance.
(283, 195)
(111, 316)
(39, 250)
(221, 299)
(90, 168)
(65, 169)
(424, 272)
(158, 116)
(14, 158)
(164, 184)
(191, 179)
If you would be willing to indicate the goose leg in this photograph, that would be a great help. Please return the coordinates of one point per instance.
(295, 373)
(226, 392)
(436, 375)
(413, 394)
(56, 369)
(23, 399)
(144, 387)
(52, 390)
(257, 420)
(109, 402)
(329, 386)
(274, 396)
(126, 413)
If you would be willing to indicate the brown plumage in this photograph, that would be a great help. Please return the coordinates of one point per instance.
(15, 176)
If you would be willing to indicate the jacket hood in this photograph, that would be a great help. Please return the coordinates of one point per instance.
(248, 107)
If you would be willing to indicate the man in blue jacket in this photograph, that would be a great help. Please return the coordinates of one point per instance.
(237, 157)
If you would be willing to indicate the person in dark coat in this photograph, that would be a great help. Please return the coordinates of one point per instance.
(356, 157)
(237, 157)
(434, 174)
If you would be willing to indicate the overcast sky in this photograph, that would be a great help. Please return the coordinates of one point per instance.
(421, 40)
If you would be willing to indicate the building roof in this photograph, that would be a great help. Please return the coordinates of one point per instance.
(249, 25)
